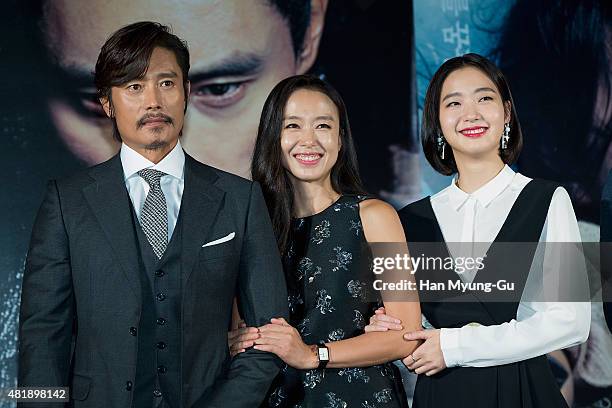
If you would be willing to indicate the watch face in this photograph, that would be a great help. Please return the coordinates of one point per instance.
(323, 354)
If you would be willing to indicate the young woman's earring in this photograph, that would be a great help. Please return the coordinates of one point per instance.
(441, 145)
(505, 136)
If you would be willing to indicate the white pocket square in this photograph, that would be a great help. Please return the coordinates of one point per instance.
(226, 238)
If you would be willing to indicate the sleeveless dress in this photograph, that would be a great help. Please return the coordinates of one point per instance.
(526, 384)
(328, 275)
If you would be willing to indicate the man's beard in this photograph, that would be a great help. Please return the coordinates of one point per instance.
(158, 130)
(157, 145)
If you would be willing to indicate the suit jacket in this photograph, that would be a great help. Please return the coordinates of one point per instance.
(81, 289)
(606, 249)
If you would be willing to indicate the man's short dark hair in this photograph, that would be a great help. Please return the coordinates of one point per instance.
(431, 128)
(125, 56)
(297, 15)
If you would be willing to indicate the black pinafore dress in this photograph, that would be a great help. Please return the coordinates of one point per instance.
(526, 384)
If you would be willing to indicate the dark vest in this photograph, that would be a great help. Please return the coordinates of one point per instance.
(527, 383)
(158, 369)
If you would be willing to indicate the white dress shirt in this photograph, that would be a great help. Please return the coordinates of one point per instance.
(172, 184)
(540, 327)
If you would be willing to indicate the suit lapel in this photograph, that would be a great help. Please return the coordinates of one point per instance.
(200, 206)
(109, 200)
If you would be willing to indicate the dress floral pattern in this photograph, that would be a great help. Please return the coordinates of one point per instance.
(329, 281)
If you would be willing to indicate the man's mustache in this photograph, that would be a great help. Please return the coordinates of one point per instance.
(145, 118)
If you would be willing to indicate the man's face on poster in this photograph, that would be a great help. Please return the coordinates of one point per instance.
(239, 51)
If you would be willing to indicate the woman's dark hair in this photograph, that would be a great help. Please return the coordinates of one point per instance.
(125, 56)
(267, 167)
(431, 128)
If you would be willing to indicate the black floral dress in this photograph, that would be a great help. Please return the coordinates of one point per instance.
(330, 298)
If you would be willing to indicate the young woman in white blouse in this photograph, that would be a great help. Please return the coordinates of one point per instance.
(483, 352)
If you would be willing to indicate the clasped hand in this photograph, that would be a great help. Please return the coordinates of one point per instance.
(428, 358)
(282, 339)
(277, 337)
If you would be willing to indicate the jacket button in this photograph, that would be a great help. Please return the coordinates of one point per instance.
(162, 369)
(157, 393)
(161, 321)
(133, 331)
(159, 274)
(160, 296)
(128, 385)
(161, 345)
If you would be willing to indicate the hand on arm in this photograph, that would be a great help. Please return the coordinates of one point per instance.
(285, 341)
(380, 322)
(241, 338)
(428, 358)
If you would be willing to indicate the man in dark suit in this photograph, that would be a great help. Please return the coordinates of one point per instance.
(134, 264)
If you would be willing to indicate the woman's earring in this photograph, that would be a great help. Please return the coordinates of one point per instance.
(505, 136)
(441, 145)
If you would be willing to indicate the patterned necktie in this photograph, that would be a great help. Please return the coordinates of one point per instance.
(154, 214)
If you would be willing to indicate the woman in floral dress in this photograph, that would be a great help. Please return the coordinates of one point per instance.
(305, 161)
